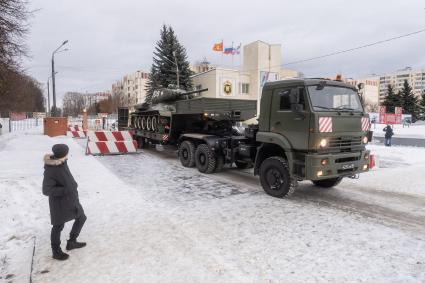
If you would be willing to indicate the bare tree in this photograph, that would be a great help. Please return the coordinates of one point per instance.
(13, 28)
(73, 104)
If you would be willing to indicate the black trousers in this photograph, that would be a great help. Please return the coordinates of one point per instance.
(55, 235)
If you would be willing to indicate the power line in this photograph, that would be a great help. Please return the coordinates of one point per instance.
(355, 48)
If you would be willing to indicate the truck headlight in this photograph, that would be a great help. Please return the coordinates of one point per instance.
(323, 142)
(365, 140)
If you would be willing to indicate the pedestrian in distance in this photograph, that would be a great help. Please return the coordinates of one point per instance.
(61, 188)
(388, 135)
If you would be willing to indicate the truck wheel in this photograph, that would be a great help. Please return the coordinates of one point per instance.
(328, 183)
(275, 177)
(243, 164)
(205, 159)
(219, 163)
(187, 154)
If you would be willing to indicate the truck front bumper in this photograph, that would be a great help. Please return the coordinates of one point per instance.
(324, 166)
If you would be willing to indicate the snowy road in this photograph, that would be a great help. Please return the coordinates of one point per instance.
(151, 220)
(393, 208)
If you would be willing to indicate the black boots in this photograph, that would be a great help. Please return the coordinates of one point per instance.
(59, 254)
(73, 244)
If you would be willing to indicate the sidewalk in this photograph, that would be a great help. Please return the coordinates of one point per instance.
(127, 237)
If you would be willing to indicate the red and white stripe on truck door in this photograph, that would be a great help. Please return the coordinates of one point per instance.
(365, 124)
(325, 124)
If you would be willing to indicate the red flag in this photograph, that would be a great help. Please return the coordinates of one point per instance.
(218, 46)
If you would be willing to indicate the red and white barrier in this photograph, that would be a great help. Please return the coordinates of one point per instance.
(105, 142)
(77, 134)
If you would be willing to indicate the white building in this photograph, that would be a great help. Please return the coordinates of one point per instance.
(370, 92)
(131, 89)
(261, 63)
(416, 79)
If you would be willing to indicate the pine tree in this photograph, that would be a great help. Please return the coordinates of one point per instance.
(409, 101)
(422, 102)
(392, 99)
(168, 52)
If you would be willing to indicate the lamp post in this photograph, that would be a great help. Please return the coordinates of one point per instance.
(53, 76)
(48, 95)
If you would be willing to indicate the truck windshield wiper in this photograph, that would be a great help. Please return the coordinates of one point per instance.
(323, 107)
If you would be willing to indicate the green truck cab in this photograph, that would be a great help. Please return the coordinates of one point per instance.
(310, 129)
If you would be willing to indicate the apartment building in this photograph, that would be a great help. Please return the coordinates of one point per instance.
(416, 79)
(369, 93)
(131, 89)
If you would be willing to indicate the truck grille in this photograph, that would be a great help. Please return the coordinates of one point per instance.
(344, 142)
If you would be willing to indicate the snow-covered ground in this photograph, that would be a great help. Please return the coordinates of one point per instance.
(151, 220)
(416, 130)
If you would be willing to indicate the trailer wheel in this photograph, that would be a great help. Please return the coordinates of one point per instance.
(328, 183)
(187, 154)
(219, 163)
(275, 177)
(205, 159)
(243, 164)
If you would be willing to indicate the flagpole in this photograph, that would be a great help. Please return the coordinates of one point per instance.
(222, 51)
(233, 55)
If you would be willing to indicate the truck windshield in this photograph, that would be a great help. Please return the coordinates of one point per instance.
(334, 98)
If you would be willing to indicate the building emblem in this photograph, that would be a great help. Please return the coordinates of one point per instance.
(227, 87)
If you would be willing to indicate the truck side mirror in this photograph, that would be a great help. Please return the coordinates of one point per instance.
(294, 96)
(294, 99)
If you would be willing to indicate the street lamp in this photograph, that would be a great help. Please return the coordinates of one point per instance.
(48, 94)
(53, 76)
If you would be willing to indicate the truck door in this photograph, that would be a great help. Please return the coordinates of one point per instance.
(294, 125)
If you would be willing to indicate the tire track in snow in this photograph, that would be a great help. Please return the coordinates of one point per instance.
(395, 209)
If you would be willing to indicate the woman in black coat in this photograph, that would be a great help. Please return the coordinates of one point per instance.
(59, 185)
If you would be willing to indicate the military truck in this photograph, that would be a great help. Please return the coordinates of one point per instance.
(307, 129)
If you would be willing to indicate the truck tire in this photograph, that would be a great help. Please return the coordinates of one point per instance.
(328, 183)
(243, 164)
(219, 163)
(275, 177)
(205, 159)
(187, 154)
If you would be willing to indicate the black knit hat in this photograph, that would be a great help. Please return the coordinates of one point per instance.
(60, 150)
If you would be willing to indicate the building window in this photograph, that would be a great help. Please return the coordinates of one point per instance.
(244, 88)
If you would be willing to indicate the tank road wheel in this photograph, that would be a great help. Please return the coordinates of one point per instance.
(154, 124)
(139, 119)
(219, 163)
(143, 123)
(205, 159)
(148, 123)
(187, 154)
(243, 164)
(275, 177)
(328, 183)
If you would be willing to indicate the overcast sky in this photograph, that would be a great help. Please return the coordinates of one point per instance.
(108, 39)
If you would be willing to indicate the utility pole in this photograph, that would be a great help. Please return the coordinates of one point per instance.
(48, 98)
(53, 77)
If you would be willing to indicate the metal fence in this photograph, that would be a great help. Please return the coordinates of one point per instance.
(25, 124)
